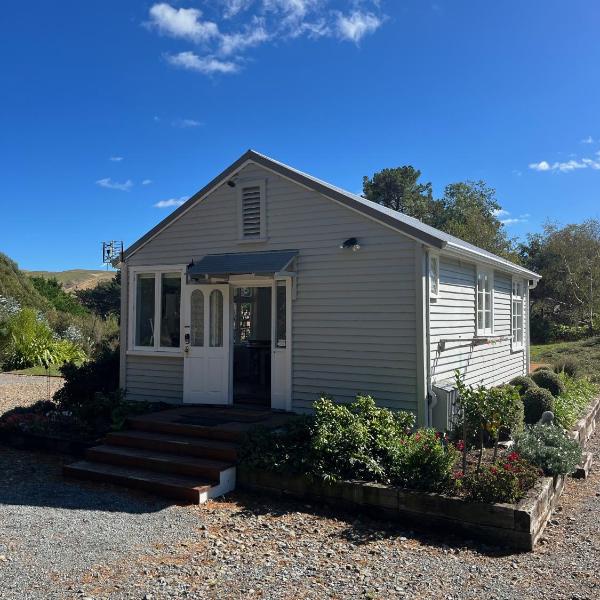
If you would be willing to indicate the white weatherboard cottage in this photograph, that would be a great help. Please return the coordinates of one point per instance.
(269, 287)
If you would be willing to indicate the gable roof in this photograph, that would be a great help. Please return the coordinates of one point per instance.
(408, 225)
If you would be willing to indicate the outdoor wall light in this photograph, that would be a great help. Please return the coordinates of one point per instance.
(231, 183)
(350, 243)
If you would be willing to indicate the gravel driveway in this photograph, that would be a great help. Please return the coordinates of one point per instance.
(64, 539)
(23, 390)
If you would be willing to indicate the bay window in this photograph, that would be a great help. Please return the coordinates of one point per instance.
(517, 304)
(485, 302)
(157, 305)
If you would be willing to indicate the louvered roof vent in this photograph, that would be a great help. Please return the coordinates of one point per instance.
(252, 211)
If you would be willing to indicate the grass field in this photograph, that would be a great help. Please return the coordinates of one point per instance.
(586, 352)
(52, 371)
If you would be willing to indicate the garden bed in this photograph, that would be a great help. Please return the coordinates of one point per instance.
(517, 526)
(45, 442)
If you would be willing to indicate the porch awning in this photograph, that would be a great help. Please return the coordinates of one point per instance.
(241, 263)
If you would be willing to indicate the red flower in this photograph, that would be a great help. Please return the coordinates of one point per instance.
(460, 445)
(417, 437)
(493, 470)
(458, 474)
(513, 456)
(438, 435)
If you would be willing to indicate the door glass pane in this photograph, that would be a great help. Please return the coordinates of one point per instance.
(170, 302)
(216, 319)
(280, 330)
(197, 318)
(144, 310)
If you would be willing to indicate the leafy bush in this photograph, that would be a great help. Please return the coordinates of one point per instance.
(568, 366)
(504, 481)
(549, 448)
(523, 383)
(26, 340)
(549, 380)
(424, 461)
(53, 291)
(570, 405)
(358, 440)
(98, 376)
(535, 402)
(288, 448)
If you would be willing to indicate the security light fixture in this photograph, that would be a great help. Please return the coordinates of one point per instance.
(231, 183)
(350, 243)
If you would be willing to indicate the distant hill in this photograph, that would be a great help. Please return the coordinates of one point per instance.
(14, 283)
(75, 279)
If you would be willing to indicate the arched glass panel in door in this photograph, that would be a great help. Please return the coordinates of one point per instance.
(216, 319)
(197, 318)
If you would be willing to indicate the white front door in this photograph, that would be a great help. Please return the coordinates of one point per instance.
(206, 366)
(281, 345)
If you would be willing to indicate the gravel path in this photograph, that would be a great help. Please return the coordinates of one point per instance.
(23, 390)
(71, 540)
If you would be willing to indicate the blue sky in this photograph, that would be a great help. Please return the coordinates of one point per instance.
(112, 111)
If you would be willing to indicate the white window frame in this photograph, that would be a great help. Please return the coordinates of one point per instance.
(515, 345)
(484, 331)
(262, 184)
(157, 271)
(434, 257)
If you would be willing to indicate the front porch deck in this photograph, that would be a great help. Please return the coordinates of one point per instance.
(187, 452)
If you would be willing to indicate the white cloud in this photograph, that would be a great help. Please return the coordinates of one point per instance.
(171, 202)
(566, 166)
(107, 182)
(206, 65)
(233, 7)
(500, 212)
(147, 182)
(186, 123)
(254, 35)
(116, 158)
(513, 221)
(182, 23)
(355, 26)
(221, 44)
(588, 140)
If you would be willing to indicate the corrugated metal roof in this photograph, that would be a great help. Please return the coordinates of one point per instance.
(403, 223)
(241, 263)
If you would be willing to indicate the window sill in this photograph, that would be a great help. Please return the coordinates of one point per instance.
(156, 353)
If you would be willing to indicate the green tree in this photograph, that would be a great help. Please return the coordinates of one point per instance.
(568, 258)
(468, 209)
(104, 299)
(399, 188)
(53, 291)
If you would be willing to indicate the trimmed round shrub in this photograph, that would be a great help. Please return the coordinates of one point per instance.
(568, 366)
(536, 401)
(549, 381)
(524, 383)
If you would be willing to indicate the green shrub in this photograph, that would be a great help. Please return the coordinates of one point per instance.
(424, 461)
(570, 405)
(26, 340)
(356, 441)
(549, 448)
(504, 481)
(535, 402)
(549, 381)
(568, 366)
(523, 383)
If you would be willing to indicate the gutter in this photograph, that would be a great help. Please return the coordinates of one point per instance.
(432, 398)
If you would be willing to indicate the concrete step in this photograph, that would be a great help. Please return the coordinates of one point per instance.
(181, 487)
(227, 432)
(153, 460)
(175, 444)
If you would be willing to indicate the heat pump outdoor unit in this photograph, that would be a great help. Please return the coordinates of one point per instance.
(446, 411)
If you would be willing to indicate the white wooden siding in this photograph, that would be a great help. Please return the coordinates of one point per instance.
(154, 379)
(453, 316)
(354, 315)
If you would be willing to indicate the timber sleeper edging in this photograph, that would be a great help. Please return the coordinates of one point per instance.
(518, 526)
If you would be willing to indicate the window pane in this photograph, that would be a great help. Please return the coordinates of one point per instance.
(488, 319)
(197, 318)
(144, 310)
(281, 332)
(170, 302)
(216, 319)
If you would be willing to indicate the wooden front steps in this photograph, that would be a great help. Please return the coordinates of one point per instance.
(184, 453)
